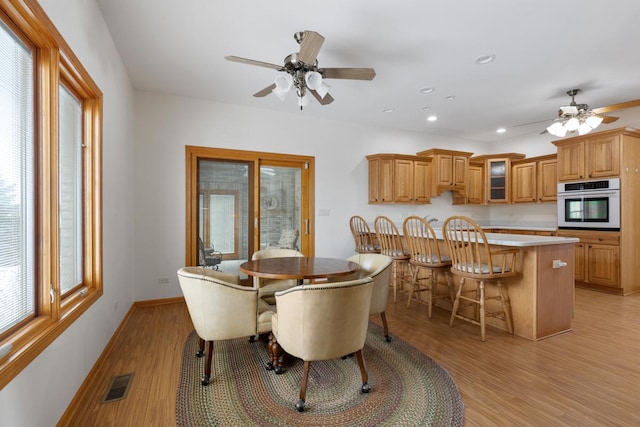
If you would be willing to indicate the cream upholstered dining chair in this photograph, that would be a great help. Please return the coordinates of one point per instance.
(378, 267)
(473, 259)
(429, 264)
(365, 240)
(268, 287)
(221, 309)
(326, 321)
(391, 245)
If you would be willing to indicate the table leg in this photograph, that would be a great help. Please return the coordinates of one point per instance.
(276, 355)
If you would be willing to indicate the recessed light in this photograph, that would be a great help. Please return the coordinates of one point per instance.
(485, 59)
(426, 90)
(501, 130)
(388, 110)
(432, 118)
(450, 97)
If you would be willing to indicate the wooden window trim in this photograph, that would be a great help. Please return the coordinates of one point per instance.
(56, 63)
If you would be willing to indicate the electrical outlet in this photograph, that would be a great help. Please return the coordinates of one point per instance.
(557, 263)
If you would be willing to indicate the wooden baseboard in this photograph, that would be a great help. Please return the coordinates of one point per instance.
(91, 378)
(604, 289)
(153, 302)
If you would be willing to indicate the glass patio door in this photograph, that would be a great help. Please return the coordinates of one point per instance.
(239, 202)
(284, 213)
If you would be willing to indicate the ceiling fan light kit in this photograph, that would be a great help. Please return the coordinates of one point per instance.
(300, 70)
(574, 117)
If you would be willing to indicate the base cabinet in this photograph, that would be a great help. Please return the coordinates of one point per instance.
(597, 258)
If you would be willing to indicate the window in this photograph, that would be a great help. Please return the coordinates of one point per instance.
(50, 186)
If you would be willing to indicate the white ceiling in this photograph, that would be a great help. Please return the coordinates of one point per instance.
(542, 48)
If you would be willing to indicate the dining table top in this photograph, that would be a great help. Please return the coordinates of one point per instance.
(298, 267)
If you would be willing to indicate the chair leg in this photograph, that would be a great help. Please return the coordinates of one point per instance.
(394, 277)
(432, 286)
(456, 302)
(383, 316)
(207, 366)
(506, 306)
(482, 311)
(363, 373)
(414, 282)
(303, 387)
(200, 351)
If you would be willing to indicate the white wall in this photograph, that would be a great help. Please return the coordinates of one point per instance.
(165, 124)
(39, 395)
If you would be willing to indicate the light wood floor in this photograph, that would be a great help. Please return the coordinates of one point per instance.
(587, 377)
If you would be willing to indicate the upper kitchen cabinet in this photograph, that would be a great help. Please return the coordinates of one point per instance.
(475, 186)
(596, 155)
(449, 170)
(397, 178)
(534, 179)
(497, 171)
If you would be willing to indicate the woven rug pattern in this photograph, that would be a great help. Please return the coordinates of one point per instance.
(407, 388)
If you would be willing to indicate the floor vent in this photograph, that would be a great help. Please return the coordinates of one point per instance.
(118, 388)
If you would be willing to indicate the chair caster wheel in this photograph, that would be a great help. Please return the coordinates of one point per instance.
(269, 366)
(365, 388)
(252, 338)
(300, 405)
(206, 379)
(277, 369)
(387, 338)
(199, 353)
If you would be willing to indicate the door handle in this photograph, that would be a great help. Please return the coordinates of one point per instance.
(306, 227)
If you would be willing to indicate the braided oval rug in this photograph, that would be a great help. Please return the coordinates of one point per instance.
(407, 388)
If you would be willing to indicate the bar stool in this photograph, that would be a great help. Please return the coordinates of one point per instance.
(391, 245)
(365, 240)
(426, 258)
(473, 259)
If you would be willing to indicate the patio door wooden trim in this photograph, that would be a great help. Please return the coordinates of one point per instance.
(254, 159)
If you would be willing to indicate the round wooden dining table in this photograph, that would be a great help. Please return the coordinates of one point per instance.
(299, 268)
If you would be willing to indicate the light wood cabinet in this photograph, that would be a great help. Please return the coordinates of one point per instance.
(397, 178)
(475, 186)
(534, 180)
(609, 153)
(597, 257)
(497, 176)
(449, 170)
(591, 156)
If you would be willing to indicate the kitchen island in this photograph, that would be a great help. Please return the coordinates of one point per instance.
(542, 294)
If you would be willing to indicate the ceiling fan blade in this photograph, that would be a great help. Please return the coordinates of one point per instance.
(328, 99)
(349, 73)
(608, 119)
(531, 123)
(310, 46)
(253, 62)
(619, 106)
(266, 91)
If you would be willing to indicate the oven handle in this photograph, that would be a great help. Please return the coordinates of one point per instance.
(583, 194)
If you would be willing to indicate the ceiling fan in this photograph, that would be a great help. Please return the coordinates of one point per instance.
(301, 72)
(579, 118)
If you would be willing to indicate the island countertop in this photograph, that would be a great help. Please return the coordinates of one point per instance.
(515, 240)
(522, 240)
